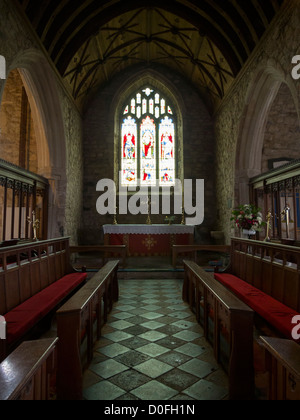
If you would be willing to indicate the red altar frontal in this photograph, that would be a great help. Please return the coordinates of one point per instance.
(148, 240)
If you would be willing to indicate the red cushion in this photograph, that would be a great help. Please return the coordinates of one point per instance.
(273, 311)
(25, 316)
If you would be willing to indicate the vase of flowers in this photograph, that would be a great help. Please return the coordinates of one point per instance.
(248, 219)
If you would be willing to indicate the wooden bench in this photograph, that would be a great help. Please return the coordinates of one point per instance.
(186, 250)
(283, 365)
(35, 279)
(29, 372)
(103, 251)
(266, 277)
(79, 324)
(228, 326)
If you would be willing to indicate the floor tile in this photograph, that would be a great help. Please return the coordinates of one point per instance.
(154, 391)
(187, 335)
(103, 391)
(117, 336)
(181, 315)
(174, 359)
(132, 358)
(204, 390)
(122, 315)
(130, 380)
(178, 380)
(121, 325)
(153, 350)
(152, 325)
(135, 342)
(152, 335)
(108, 368)
(151, 308)
(153, 368)
(191, 349)
(183, 324)
(197, 367)
(113, 350)
(151, 315)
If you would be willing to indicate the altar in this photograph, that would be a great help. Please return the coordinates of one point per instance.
(148, 240)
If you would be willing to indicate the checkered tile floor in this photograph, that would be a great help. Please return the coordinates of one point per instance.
(152, 348)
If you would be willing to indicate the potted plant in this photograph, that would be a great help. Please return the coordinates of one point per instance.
(248, 219)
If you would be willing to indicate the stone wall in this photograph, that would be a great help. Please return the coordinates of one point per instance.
(282, 133)
(272, 60)
(57, 121)
(13, 128)
(101, 157)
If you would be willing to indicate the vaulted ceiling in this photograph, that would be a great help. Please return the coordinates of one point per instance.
(206, 41)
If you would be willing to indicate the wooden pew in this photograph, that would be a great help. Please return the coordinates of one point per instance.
(194, 249)
(29, 372)
(104, 251)
(228, 326)
(79, 324)
(35, 278)
(283, 365)
(271, 268)
(266, 277)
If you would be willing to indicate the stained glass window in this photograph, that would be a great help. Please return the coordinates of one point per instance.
(148, 140)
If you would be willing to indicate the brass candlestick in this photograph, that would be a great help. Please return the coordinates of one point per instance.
(269, 218)
(35, 225)
(286, 217)
(149, 212)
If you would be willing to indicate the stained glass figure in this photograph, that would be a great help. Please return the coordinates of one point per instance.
(148, 152)
(167, 152)
(129, 152)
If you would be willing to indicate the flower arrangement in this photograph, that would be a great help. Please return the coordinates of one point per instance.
(248, 217)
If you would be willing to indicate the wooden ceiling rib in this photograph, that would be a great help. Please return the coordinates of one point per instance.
(207, 40)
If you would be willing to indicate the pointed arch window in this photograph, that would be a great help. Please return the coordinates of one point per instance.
(148, 141)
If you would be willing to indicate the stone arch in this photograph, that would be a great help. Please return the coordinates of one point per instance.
(42, 91)
(260, 97)
(155, 80)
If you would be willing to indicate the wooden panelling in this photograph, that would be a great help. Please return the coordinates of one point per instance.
(227, 324)
(276, 268)
(35, 277)
(25, 282)
(291, 292)
(27, 374)
(283, 364)
(12, 289)
(44, 274)
(79, 324)
(3, 307)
